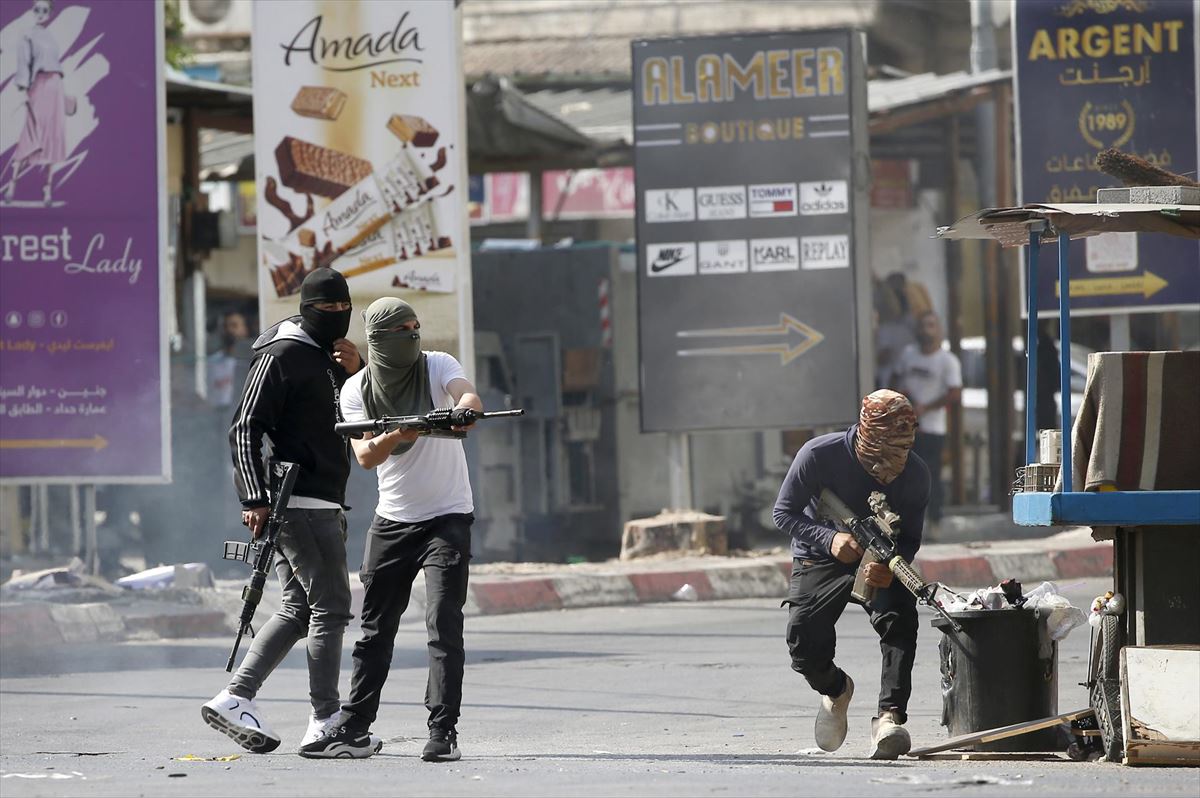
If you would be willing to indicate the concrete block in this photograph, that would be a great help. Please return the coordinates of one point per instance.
(751, 581)
(970, 572)
(519, 595)
(1030, 567)
(1084, 562)
(660, 585)
(87, 623)
(600, 590)
(682, 531)
(1149, 195)
(28, 625)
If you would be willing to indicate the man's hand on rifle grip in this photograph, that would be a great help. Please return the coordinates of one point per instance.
(462, 417)
(256, 519)
(845, 548)
(878, 575)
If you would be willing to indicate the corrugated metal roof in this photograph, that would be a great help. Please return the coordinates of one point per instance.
(606, 114)
(887, 95)
(601, 114)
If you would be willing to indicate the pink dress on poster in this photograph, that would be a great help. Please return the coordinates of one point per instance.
(39, 74)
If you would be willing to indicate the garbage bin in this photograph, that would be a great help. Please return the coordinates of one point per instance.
(1000, 670)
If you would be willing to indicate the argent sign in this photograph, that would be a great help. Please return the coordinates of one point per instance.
(745, 153)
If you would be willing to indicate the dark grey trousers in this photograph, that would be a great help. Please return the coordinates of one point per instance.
(310, 561)
(396, 551)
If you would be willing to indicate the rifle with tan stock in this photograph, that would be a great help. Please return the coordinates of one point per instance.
(877, 534)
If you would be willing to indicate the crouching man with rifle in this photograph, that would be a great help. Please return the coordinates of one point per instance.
(872, 456)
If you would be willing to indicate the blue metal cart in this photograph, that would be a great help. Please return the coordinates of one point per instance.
(1036, 225)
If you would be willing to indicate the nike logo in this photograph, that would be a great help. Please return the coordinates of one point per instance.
(666, 258)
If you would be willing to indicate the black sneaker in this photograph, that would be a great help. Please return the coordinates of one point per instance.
(442, 745)
(341, 743)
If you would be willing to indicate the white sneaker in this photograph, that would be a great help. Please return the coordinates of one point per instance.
(889, 739)
(241, 720)
(830, 729)
(317, 728)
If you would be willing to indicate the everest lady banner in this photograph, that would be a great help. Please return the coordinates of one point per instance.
(358, 120)
(83, 380)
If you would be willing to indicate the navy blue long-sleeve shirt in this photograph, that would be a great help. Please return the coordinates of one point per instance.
(828, 461)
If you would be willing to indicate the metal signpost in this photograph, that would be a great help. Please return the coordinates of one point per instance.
(753, 292)
(1093, 76)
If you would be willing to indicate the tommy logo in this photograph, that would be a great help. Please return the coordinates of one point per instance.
(671, 259)
(773, 200)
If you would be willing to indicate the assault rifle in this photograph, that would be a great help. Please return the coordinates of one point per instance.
(282, 479)
(435, 424)
(876, 536)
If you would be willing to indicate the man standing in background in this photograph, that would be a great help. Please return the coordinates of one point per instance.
(931, 378)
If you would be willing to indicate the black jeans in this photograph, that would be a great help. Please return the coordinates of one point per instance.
(395, 552)
(818, 593)
(929, 447)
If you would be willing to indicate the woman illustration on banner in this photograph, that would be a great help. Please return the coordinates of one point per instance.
(43, 140)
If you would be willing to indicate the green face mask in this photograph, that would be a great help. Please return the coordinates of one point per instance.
(396, 382)
(394, 349)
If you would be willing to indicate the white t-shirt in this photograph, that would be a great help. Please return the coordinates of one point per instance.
(924, 378)
(430, 479)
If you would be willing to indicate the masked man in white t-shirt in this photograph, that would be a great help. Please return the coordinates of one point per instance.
(422, 522)
(931, 378)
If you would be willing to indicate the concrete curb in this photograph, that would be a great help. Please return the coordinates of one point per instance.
(213, 612)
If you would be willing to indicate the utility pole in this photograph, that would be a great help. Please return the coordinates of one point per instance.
(993, 167)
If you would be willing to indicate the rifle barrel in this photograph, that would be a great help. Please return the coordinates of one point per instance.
(236, 645)
(356, 427)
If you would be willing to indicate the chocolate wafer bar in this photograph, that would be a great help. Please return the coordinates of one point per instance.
(313, 169)
(413, 130)
(319, 102)
(357, 212)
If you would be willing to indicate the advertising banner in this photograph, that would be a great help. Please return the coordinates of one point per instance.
(1092, 75)
(750, 238)
(83, 377)
(361, 158)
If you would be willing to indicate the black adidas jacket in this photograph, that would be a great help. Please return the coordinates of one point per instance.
(291, 397)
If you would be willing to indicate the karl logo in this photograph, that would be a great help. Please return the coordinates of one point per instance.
(774, 254)
(824, 197)
(672, 259)
(671, 205)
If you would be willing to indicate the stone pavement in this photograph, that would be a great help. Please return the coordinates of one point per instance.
(53, 617)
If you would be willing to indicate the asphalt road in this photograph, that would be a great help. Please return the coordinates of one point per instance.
(655, 700)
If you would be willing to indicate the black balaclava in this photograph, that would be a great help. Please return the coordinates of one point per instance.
(324, 326)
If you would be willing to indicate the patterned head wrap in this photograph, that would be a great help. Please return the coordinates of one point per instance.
(886, 428)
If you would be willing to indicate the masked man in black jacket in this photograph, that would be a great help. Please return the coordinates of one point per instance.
(291, 396)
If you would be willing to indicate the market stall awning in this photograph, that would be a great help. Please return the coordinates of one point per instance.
(1012, 226)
